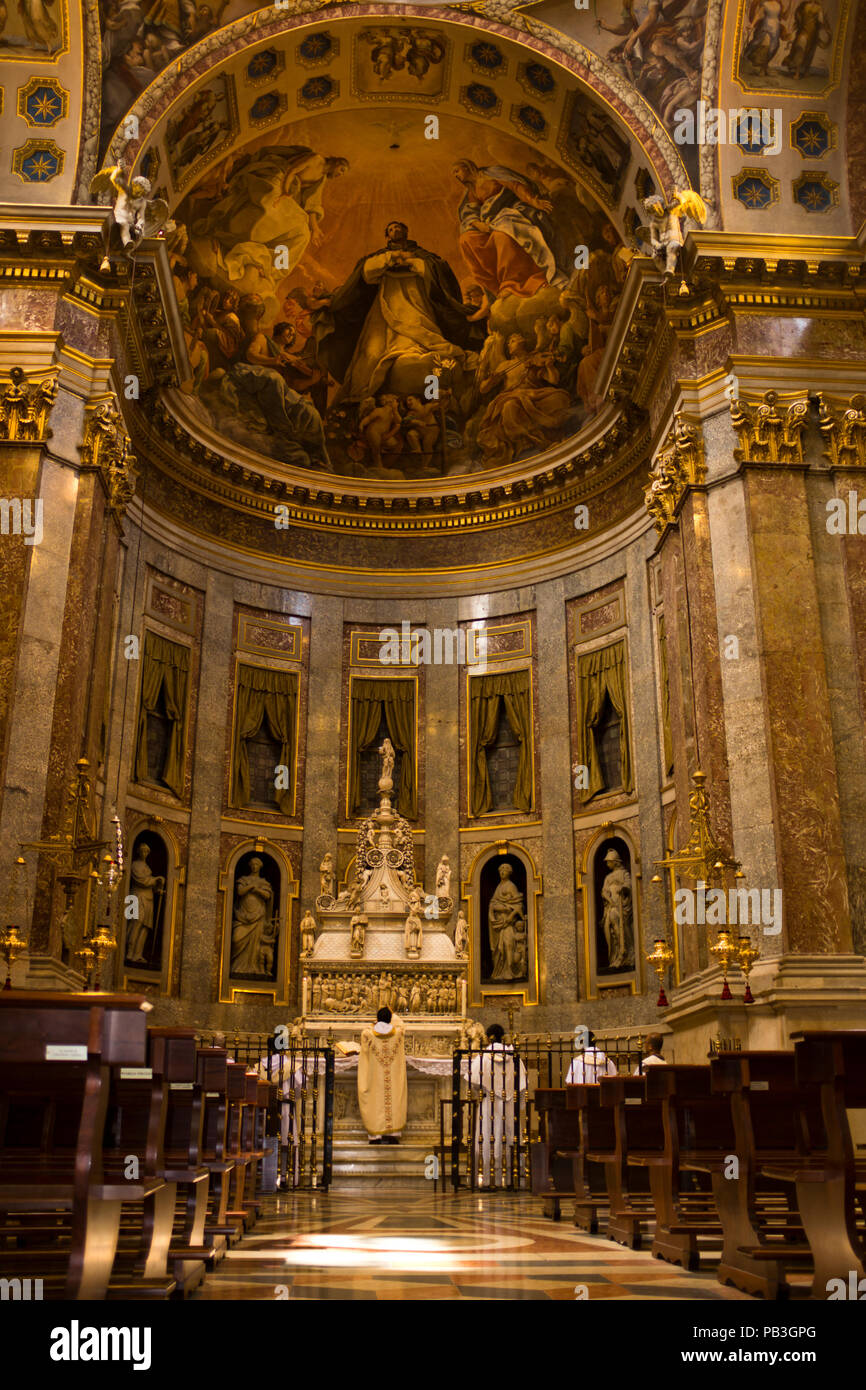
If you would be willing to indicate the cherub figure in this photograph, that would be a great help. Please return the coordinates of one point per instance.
(135, 214)
(421, 425)
(664, 230)
(379, 425)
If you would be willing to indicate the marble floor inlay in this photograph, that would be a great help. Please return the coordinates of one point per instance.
(398, 1245)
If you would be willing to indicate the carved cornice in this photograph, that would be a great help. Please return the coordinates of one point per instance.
(106, 449)
(844, 431)
(679, 465)
(767, 434)
(25, 407)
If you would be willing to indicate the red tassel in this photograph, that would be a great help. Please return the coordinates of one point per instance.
(748, 997)
(662, 999)
(726, 991)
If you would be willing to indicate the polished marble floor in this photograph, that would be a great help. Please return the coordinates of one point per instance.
(407, 1245)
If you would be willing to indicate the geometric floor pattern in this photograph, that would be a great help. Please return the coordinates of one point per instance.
(391, 1245)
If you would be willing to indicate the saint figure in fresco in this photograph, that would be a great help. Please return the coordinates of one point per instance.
(397, 319)
(505, 233)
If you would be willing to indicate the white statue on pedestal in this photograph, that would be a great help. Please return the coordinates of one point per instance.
(461, 935)
(388, 757)
(443, 878)
(412, 935)
(308, 933)
(327, 876)
(358, 927)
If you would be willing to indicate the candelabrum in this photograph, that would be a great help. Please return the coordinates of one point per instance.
(660, 958)
(747, 954)
(726, 951)
(12, 943)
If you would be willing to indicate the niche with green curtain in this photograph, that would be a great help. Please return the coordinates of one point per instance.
(489, 696)
(370, 699)
(602, 686)
(270, 699)
(164, 690)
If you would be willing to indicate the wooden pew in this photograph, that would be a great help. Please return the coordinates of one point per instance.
(827, 1184)
(773, 1123)
(212, 1077)
(597, 1135)
(551, 1158)
(56, 1054)
(698, 1137)
(637, 1127)
(173, 1059)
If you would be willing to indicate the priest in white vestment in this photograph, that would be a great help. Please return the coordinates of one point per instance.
(501, 1078)
(591, 1064)
(382, 1085)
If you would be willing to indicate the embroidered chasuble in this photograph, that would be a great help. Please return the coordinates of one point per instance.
(382, 1079)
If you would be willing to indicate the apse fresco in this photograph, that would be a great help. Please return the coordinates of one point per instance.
(339, 272)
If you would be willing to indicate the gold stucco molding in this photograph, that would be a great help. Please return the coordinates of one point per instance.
(25, 406)
(844, 429)
(768, 433)
(679, 465)
(106, 448)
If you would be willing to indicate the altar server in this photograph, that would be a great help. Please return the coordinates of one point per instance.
(499, 1076)
(382, 1087)
(653, 1056)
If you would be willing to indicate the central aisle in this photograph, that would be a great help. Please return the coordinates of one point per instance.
(396, 1245)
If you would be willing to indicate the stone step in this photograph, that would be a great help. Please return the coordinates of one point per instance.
(400, 1164)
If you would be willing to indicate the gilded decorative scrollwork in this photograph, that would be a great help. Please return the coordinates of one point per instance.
(844, 431)
(679, 465)
(768, 434)
(106, 447)
(25, 406)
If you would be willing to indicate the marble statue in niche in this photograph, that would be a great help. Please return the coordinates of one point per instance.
(615, 913)
(255, 922)
(388, 758)
(506, 927)
(147, 886)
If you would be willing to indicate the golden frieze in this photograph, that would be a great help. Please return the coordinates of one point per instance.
(767, 433)
(679, 465)
(844, 431)
(25, 407)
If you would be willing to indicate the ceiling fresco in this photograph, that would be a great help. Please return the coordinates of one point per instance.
(363, 300)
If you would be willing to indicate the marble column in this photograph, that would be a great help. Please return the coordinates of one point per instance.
(202, 926)
(558, 908)
(323, 794)
(442, 793)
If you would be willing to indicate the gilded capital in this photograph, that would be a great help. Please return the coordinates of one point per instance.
(768, 434)
(679, 464)
(106, 447)
(845, 432)
(25, 406)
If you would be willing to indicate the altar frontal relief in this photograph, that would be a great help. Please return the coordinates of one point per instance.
(359, 299)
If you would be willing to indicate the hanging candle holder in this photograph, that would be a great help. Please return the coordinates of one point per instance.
(725, 950)
(660, 958)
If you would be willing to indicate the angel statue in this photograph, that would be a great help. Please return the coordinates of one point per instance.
(664, 229)
(135, 214)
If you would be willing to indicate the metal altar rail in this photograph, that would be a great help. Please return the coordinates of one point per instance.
(303, 1117)
(489, 1123)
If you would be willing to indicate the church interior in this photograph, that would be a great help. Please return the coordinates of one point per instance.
(433, 656)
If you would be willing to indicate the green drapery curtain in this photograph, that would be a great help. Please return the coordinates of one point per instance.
(666, 699)
(165, 669)
(272, 696)
(598, 674)
(397, 698)
(512, 689)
